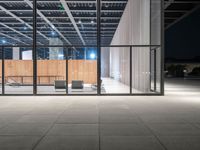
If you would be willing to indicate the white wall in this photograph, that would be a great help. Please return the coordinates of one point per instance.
(27, 55)
(105, 60)
(16, 53)
(133, 29)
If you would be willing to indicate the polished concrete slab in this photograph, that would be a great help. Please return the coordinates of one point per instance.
(170, 122)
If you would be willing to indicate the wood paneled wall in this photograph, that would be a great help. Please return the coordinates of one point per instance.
(50, 70)
(85, 70)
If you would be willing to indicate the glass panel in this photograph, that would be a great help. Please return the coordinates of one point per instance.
(82, 70)
(158, 69)
(156, 22)
(18, 70)
(146, 70)
(153, 69)
(115, 70)
(16, 18)
(141, 70)
(51, 70)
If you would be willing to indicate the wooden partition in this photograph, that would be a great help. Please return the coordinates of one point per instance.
(21, 71)
(18, 71)
(50, 70)
(85, 70)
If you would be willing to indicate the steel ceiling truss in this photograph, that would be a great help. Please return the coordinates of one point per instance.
(75, 22)
(176, 10)
(72, 21)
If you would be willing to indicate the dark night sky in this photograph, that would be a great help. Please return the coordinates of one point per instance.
(183, 39)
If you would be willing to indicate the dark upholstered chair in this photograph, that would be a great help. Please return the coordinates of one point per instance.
(60, 84)
(77, 84)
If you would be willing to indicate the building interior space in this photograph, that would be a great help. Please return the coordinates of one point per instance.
(77, 47)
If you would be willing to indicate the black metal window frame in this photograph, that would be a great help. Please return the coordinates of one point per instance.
(98, 46)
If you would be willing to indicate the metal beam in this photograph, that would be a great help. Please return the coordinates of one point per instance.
(168, 3)
(6, 26)
(38, 1)
(185, 15)
(64, 4)
(78, 10)
(183, 2)
(51, 25)
(176, 11)
(13, 38)
(58, 17)
(20, 20)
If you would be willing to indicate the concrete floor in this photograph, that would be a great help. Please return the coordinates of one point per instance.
(109, 86)
(170, 122)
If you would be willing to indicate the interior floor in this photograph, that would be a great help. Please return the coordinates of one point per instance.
(109, 86)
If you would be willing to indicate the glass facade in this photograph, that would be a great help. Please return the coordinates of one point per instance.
(81, 47)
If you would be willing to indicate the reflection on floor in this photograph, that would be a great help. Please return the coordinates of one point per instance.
(114, 86)
(109, 86)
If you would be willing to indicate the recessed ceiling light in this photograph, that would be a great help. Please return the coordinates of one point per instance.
(53, 26)
(25, 28)
(90, 5)
(79, 21)
(92, 21)
(53, 33)
(106, 5)
(3, 41)
(20, 13)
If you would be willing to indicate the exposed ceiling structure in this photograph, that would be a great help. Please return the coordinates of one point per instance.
(176, 10)
(73, 21)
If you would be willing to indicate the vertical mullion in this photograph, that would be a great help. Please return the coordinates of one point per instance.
(99, 47)
(67, 71)
(131, 70)
(3, 72)
(162, 50)
(155, 70)
(34, 47)
(150, 69)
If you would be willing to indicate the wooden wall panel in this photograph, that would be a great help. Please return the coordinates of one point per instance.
(85, 70)
(50, 70)
(19, 71)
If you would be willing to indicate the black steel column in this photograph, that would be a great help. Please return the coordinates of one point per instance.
(34, 47)
(162, 49)
(3, 71)
(131, 78)
(98, 47)
(67, 53)
(155, 70)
